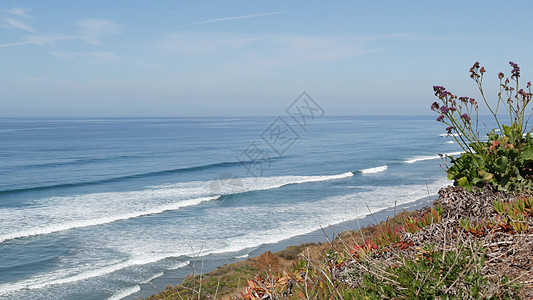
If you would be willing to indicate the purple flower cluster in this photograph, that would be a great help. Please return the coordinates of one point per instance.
(515, 71)
(449, 103)
(438, 89)
(444, 110)
(466, 117)
(466, 100)
(474, 74)
(526, 97)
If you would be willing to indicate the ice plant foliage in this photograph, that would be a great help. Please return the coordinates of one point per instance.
(506, 160)
(413, 224)
(515, 213)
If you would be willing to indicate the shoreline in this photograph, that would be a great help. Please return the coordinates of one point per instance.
(211, 262)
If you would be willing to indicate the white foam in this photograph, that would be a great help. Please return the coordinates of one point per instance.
(333, 210)
(267, 183)
(65, 276)
(450, 142)
(103, 220)
(125, 293)
(161, 274)
(26, 129)
(374, 170)
(57, 214)
(329, 211)
(450, 134)
(306, 217)
(429, 157)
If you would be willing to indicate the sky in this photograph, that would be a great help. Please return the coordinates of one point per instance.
(251, 58)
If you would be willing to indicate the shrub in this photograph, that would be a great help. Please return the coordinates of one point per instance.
(505, 161)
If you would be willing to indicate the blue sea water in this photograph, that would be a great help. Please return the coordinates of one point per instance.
(94, 208)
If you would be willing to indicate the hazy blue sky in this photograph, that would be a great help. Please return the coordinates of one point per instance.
(198, 58)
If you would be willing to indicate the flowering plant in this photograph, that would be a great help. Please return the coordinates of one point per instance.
(506, 160)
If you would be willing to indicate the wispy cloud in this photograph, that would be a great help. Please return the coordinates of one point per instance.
(17, 11)
(19, 25)
(197, 43)
(11, 22)
(239, 17)
(232, 55)
(150, 65)
(90, 31)
(95, 56)
(40, 40)
(93, 29)
(287, 48)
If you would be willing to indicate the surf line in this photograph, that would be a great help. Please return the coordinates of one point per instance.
(279, 136)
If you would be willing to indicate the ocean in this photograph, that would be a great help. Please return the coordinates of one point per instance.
(96, 208)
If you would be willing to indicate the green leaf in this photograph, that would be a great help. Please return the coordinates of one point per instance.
(527, 154)
(463, 181)
(485, 175)
(478, 161)
(501, 164)
(503, 181)
(450, 176)
(507, 130)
